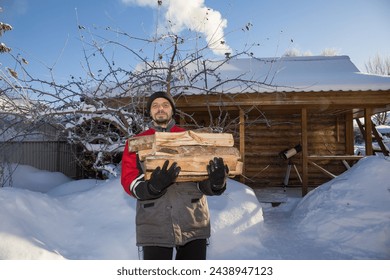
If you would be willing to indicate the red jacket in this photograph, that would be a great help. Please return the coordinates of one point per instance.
(129, 161)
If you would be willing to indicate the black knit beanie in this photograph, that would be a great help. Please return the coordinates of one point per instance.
(161, 94)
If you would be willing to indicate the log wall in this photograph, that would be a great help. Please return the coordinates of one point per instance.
(267, 133)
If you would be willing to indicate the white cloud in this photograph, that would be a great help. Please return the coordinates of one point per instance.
(195, 16)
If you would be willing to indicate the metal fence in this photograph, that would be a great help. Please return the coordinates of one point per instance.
(46, 155)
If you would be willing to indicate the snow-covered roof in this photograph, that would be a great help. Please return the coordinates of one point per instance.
(248, 75)
(293, 74)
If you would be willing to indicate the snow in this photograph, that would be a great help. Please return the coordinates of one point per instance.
(47, 216)
(262, 75)
(383, 129)
(290, 74)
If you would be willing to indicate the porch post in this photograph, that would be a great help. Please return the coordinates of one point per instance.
(242, 143)
(368, 129)
(349, 137)
(304, 151)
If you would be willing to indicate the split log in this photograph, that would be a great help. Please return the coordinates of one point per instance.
(197, 176)
(185, 138)
(192, 151)
(192, 166)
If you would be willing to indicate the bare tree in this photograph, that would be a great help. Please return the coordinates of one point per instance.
(3, 28)
(381, 66)
(378, 65)
(99, 111)
(4, 178)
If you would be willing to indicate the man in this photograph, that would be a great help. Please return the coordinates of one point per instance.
(170, 215)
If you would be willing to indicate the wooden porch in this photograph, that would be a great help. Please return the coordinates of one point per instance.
(343, 107)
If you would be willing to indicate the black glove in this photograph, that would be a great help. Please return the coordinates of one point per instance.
(218, 173)
(162, 178)
(216, 183)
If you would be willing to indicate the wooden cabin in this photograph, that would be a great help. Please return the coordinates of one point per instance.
(310, 101)
(271, 105)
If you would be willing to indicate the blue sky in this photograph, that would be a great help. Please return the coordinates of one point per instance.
(46, 33)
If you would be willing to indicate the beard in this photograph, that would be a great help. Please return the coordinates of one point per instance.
(161, 119)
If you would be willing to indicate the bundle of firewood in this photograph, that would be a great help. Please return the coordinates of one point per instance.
(191, 150)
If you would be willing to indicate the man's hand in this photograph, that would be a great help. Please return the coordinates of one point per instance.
(218, 173)
(162, 178)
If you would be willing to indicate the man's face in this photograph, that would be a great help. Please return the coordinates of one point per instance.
(161, 111)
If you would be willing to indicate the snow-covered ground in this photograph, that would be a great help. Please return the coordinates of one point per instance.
(47, 216)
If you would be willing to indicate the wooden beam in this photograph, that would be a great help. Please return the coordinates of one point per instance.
(323, 170)
(242, 142)
(349, 136)
(305, 168)
(319, 100)
(359, 113)
(368, 129)
(361, 128)
(334, 157)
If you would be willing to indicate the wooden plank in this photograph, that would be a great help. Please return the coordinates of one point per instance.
(331, 175)
(334, 157)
